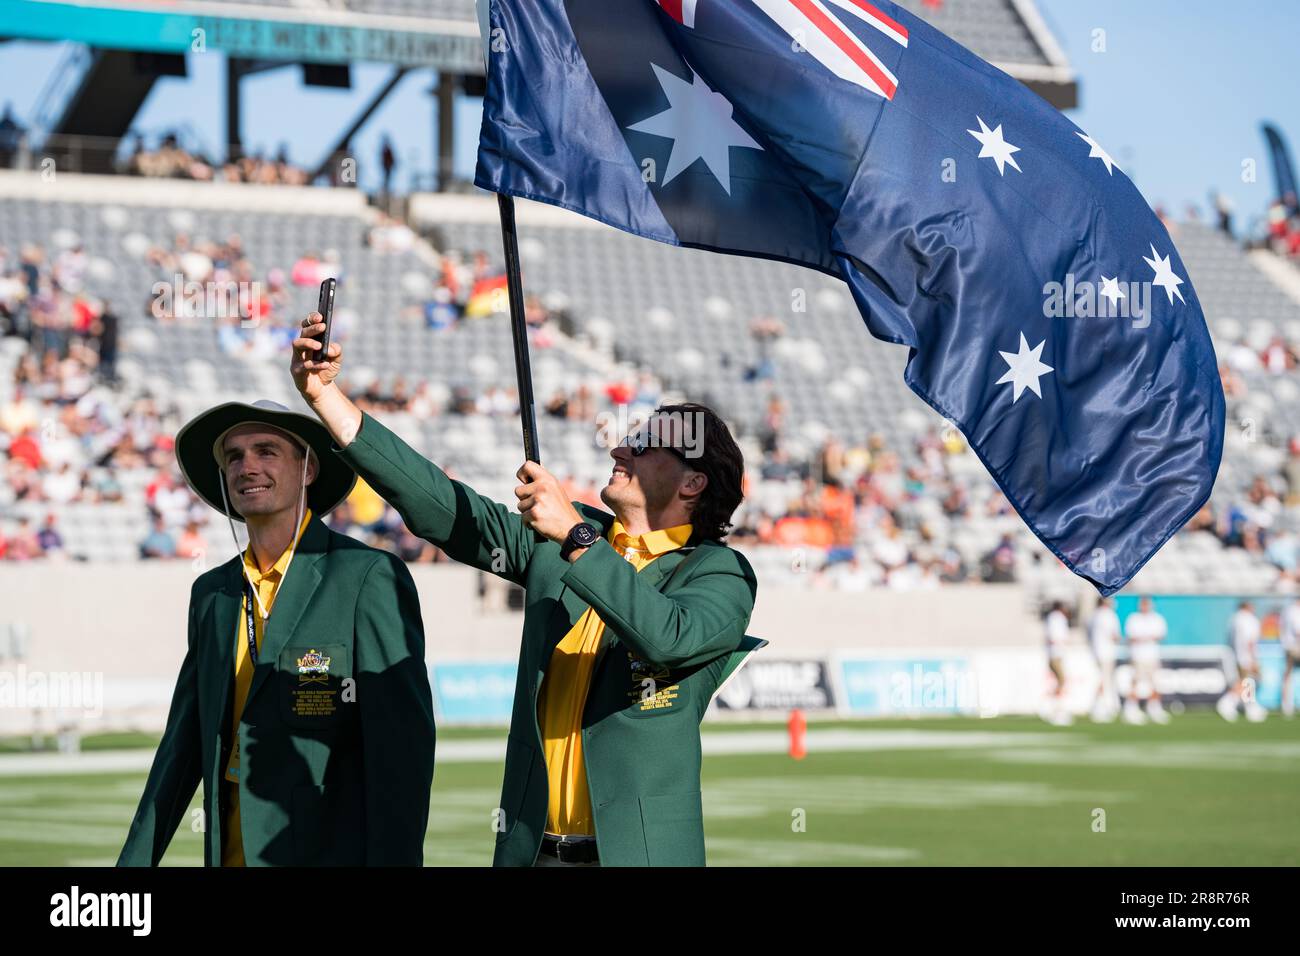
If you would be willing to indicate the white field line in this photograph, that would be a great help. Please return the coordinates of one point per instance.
(489, 751)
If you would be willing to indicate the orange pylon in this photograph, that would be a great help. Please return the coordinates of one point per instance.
(798, 729)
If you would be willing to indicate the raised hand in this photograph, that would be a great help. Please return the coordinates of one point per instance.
(543, 503)
(311, 371)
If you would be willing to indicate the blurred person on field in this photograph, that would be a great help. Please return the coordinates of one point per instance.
(1243, 632)
(1290, 640)
(1145, 629)
(1057, 627)
(1103, 639)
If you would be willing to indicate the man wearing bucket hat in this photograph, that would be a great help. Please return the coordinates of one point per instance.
(302, 703)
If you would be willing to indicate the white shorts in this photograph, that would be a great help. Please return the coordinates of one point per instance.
(1144, 654)
(1144, 670)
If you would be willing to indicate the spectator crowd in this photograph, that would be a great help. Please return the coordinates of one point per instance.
(853, 514)
(171, 160)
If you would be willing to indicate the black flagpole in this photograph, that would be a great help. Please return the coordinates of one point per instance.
(518, 328)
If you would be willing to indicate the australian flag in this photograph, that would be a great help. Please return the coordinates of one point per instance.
(1046, 311)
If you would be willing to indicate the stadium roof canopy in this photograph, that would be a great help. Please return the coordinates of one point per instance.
(1010, 34)
(123, 46)
(439, 33)
(444, 33)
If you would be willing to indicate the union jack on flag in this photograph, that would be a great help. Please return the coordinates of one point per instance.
(814, 27)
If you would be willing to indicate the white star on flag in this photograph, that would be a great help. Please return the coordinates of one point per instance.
(1165, 277)
(993, 146)
(699, 123)
(1111, 290)
(1098, 152)
(1025, 369)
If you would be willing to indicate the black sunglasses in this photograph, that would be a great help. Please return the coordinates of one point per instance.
(637, 444)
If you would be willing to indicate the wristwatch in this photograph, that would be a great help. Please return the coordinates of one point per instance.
(581, 535)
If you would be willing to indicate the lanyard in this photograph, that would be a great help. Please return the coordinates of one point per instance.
(248, 618)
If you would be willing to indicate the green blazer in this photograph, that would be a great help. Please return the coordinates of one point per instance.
(670, 631)
(337, 761)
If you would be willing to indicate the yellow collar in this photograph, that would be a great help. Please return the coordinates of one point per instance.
(656, 542)
(282, 563)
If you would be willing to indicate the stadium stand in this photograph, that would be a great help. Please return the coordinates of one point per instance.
(90, 256)
(852, 478)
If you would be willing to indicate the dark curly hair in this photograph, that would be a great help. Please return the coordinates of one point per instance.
(722, 463)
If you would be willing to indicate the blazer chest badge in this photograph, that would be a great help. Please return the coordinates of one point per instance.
(313, 667)
(650, 687)
(313, 697)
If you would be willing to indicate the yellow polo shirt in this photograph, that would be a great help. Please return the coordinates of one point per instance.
(267, 584)
(564, 691)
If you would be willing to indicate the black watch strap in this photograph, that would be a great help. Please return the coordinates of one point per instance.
(581, 535)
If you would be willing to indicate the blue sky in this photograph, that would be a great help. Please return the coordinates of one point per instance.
(1179, 94)
(1176, 97)
(277, 108)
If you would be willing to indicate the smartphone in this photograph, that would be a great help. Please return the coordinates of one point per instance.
(325, 306)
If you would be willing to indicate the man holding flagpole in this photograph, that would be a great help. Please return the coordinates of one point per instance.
(633, 618)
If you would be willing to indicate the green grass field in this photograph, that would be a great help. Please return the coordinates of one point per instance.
(934, 792)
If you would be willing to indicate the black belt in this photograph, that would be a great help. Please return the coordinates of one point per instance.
(570, 851)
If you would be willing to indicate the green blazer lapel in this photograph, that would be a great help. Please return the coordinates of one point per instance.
(291, 600)
(656, 574)
(657, 571)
